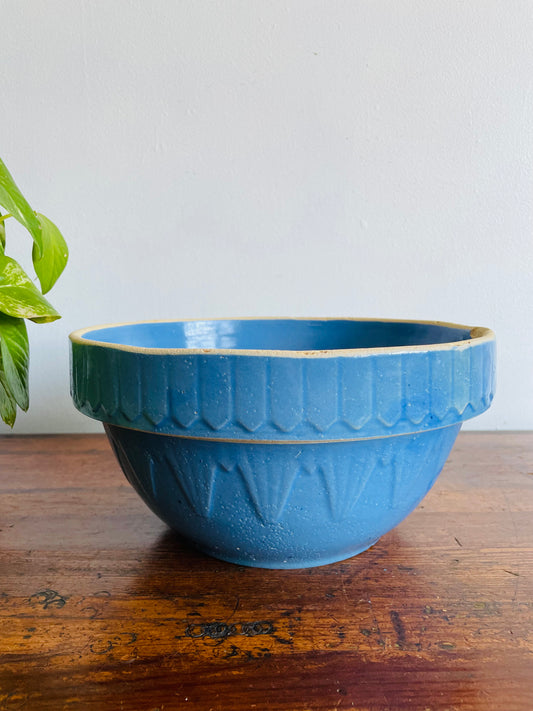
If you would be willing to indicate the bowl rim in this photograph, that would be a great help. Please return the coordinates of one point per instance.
(478, 335)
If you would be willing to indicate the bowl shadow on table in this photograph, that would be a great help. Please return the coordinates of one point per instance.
(394, 575)
(214, 592)
(363, 626)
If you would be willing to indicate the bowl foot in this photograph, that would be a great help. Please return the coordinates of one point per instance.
(288, 564)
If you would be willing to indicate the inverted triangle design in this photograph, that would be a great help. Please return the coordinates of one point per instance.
(195, 483)
(407, 468)
(269, 484)
(345, 481)
(138, 482)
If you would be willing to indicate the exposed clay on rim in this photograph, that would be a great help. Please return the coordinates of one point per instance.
(478, 334)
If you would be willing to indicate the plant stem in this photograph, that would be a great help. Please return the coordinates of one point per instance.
(4, 217)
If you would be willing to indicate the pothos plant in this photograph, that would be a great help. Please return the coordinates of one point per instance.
(20, 297)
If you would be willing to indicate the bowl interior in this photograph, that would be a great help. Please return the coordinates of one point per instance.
(278, 334)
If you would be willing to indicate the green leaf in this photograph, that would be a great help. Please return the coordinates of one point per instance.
(2, 236)
(14, 359)
(15, 203)
(8, 407)
(19, 297)
(53, 258)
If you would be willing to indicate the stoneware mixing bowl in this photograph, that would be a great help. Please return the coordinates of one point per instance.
(282, 443)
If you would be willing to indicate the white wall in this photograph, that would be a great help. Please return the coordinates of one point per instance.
(260, 157)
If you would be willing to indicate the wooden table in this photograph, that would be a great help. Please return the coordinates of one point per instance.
(103, 608)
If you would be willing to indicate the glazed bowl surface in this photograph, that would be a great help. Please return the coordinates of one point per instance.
(282, 443)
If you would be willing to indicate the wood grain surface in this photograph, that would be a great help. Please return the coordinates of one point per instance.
(103, 608)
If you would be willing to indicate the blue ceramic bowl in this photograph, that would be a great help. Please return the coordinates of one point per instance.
(282, 443)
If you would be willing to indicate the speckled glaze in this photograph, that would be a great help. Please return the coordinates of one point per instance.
(282, 443)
